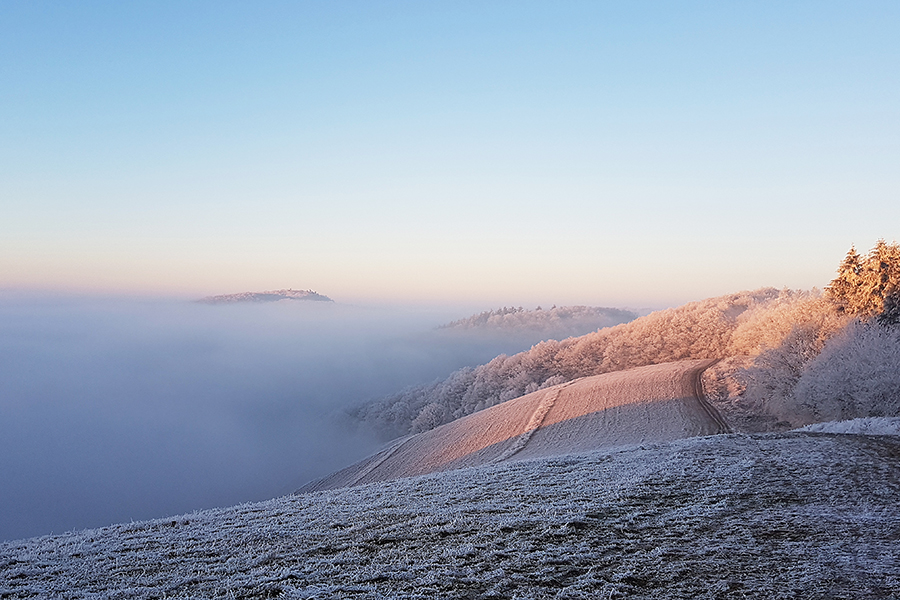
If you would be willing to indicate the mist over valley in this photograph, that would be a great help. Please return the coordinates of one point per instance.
(121, 409)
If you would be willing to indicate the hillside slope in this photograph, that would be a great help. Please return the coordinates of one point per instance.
(648, 404)
(744, 323)
(798, 515)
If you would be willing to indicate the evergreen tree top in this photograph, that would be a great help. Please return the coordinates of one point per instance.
(869, 286)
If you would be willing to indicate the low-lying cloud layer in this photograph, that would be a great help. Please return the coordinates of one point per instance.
(114, 410)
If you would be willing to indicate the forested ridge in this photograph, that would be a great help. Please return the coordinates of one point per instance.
(555, 321)
(792, 357)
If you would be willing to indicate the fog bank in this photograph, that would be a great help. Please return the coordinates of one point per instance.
(113, 410)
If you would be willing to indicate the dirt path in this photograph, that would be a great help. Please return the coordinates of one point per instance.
(705, 404)
(657, 403)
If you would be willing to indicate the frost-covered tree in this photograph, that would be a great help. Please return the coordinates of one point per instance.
(844, 288)
(814, 374)
(868, 286)
(431, 416)
(775, 373)
(856, 375)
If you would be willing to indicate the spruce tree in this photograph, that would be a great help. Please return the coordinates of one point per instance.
(869, 286)
(844, 288)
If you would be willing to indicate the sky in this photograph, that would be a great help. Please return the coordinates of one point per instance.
(605, 153)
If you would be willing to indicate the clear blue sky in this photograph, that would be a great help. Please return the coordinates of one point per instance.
(628, 153)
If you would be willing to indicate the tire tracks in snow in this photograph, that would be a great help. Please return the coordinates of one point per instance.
(711, 411)
(537, 419)
(654, 402)
(540, 413)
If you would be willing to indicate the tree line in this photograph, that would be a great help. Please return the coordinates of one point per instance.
(795, 342)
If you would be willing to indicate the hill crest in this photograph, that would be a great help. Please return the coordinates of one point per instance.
(267, 296)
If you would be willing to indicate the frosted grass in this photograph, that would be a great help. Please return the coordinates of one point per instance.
(796, 515)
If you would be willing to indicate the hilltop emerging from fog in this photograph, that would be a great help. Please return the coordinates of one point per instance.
(269, 296)
(563, 321)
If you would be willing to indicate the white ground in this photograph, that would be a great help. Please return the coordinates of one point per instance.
(649, 404)
(869, 425)
(795, 515)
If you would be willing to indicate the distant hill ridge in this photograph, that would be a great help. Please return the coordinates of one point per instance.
(562, 318)
(268, 296)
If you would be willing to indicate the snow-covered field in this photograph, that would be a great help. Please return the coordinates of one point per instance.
(647, 404)
(794, 515)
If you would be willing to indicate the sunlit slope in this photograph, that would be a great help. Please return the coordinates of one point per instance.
(656, 403)
(797, 515)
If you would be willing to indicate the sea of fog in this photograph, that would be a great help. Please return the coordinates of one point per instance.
(114, 410)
